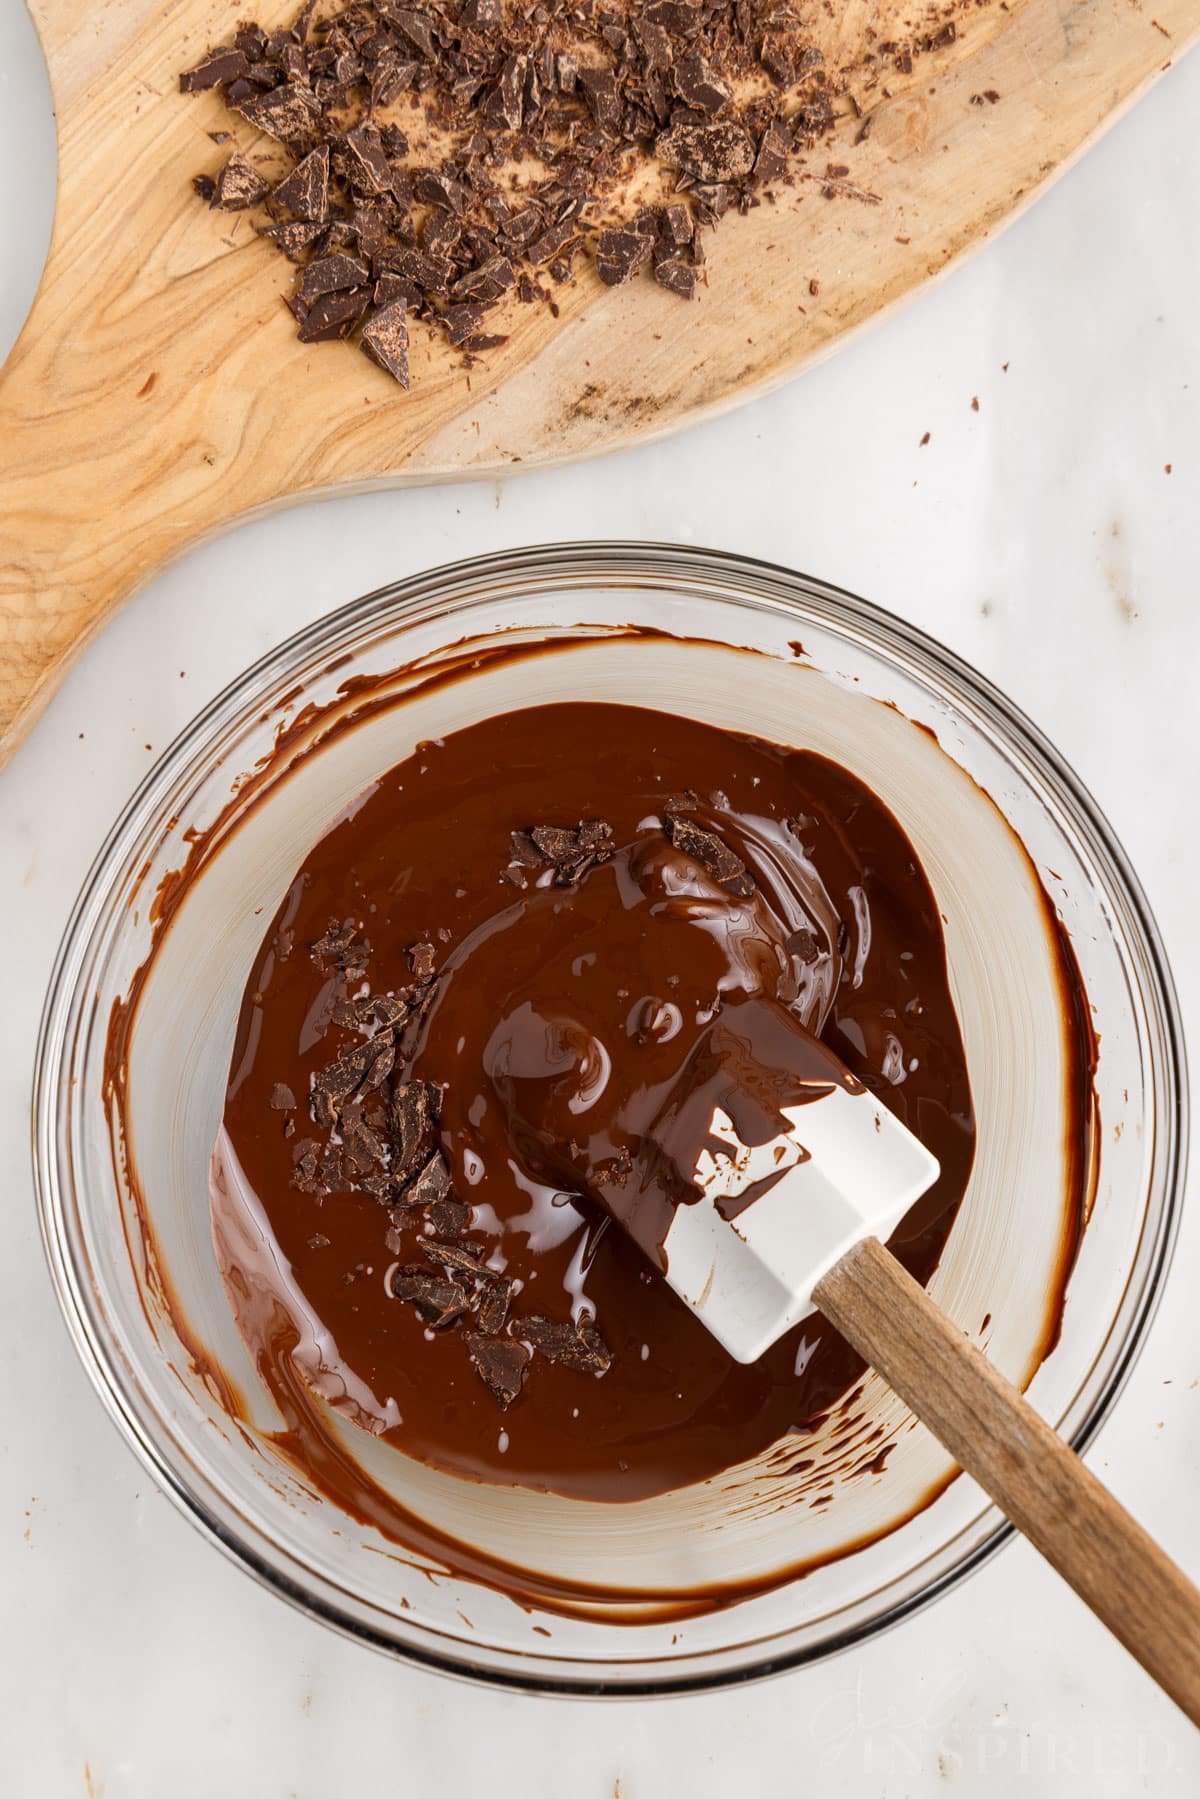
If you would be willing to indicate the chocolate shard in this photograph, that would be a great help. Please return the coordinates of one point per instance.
(217, 69)
(282, 1098)
(494, 1304)
(449, 1217)
(725, 867)
(555, 844)
(441, 1299)
(431, 1184)
(580, 1347)
(677, 276)
(238, 186)
(334, 316)
(385, 337)
(708, 152)
(620, 254)
(362, 1148)
(341, 948)
(305, 192)
(289, 113)
(461, 321)
(774, 148)
(422, 958)
(487, 282)
(292, 238)
(330, 275)
(454, 1255)
(500, 1364)
(359, 1071)
(698, 85)
(370, 164)
(481, 15)
(603, 97)
(412, 1125)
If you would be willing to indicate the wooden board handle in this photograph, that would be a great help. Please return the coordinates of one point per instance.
(992, 1431)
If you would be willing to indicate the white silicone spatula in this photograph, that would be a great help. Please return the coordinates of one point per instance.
(813, 1237)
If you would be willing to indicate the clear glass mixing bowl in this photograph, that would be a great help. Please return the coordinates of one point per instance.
(161, 1395)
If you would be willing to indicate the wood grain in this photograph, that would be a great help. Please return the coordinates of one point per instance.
(1147, 1602)
(158, 393)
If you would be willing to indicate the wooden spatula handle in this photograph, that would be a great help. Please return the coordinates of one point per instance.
(994, 1433)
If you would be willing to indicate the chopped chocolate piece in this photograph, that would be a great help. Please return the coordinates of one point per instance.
(677, 226)
(481, 15)
(238, 186)
(282, 1097)
(453, 1255)
(487, 282)
(709, 152)
(305, 192)
(574, 1346)
(205, 187)
(698, 86)
(293, 238)
(334, 316)
(385, 338)
(359, 1070)
(412, 1125)
(493, 1305)
(422, 958)
(288, 113)
(342, 948)
(414, 26)
(306, 1166)
(556, 845)
(441, 1299)
(726, 868)
(620, 254)
(432, 1184)
(372, 167)
(603, 96)
(449, 1217)
(774, 147)
(362, 1148)
(525, 851)
(551, 242)
(805, 944)
(500, 1365)
(330, 274)
(217, 69)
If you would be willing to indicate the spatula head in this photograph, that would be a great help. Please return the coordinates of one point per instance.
(747, 1254)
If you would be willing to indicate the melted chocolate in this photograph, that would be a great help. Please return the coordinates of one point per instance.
(574, 1026)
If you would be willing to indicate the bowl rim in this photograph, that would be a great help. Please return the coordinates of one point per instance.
(597, 563)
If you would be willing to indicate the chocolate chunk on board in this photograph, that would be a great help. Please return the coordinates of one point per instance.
(725, 867)
(500, 1364)
(385, 339)
(580, 1347)
(305, 192)
(238, 186)
(620, 254)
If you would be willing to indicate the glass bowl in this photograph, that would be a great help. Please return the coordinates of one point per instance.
(244, 790)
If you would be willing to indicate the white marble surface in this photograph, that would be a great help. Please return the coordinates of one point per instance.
(1042, 538)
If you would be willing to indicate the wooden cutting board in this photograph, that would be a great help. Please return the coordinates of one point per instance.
(158, 392)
